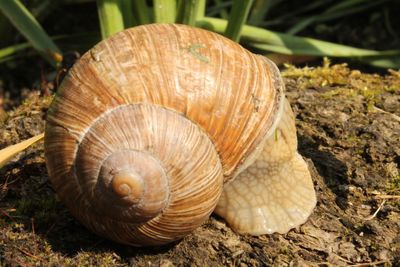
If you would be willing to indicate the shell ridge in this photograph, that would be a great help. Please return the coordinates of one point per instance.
(161, 79)
(251, 147)
(87, 203)
(145, 85)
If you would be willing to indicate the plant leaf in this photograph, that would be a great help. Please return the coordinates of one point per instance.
(336, 11)
(164, 11)
(23, 20)
(288, 44)
(10, 50)
(141, 11)
(219, 9)
(191, 11)
(237, 18)
(127, 13)
(81, 41)
(110, 16)
(259, 11)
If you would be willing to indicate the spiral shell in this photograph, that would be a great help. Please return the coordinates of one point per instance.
(150, 123)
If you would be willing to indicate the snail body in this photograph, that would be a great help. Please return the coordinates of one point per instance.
(150, 124)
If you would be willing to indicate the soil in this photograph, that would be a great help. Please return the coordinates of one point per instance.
(349, 132)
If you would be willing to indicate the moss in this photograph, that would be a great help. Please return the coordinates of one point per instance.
(339, 79)
(374, 247)
(21, 247)
(339, 91)
(394, 184)
(99, 259)
(32, 105)
(43, 210)
(352, 138)
(284, 250)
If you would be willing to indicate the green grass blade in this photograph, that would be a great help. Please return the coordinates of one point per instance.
(272, 48)
(339, 10)
(141, 11)
(127, 13)
(343, 5)
(238, 16)
(191, 11)
(5, 30)
(265, 40)
(219, 9)
(289, 15)
(74, 42)
(306, 9)
(164, 11)
(110, 16)
(31, 29)
(201, 9)
(77, 1)
(259, 11)
(44, 8)
(11, 50)
(333, 13)
(384, 62)
(302, 24)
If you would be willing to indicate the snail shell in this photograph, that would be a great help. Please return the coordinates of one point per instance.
(150, 123)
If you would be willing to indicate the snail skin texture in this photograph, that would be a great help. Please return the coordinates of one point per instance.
(159, 125)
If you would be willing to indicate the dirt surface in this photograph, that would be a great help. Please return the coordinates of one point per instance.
(349, 132)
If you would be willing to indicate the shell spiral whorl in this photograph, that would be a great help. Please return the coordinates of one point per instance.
(137, 173)
(148, 125)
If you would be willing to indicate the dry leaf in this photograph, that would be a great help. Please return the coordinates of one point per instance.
(6, 154)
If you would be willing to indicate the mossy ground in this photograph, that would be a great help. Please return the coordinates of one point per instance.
(349, 131)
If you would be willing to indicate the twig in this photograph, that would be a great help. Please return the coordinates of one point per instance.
(387, 196)
(29, 254)
(343, 259)
(23, 264)
(350, 263)
(394, 116)
(368, 263)
(6, 214)
(376, 212)
(33, 225)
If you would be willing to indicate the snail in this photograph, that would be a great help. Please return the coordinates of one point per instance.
(159, 125)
